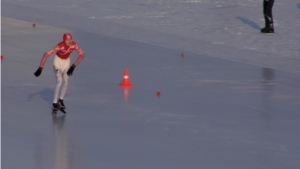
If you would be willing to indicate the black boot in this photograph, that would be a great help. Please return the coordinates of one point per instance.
(54, 107)
(61, 104)
(268, 29)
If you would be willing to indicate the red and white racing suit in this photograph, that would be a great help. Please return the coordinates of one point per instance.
(61, 64)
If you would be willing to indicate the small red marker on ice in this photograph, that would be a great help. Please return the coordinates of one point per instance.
(182, 55)
(34, 25)
(158, 94)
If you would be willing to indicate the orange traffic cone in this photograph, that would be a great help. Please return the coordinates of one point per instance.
(126, 81)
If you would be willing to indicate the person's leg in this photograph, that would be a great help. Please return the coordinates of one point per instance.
(58, 72)
(269, 27)
(268, 13)
(58, 75)
(65, 79)
(265, 5)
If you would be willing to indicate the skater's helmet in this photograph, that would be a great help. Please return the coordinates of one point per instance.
(67, 36)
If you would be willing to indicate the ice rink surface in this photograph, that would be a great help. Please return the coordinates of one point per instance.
(213, 112)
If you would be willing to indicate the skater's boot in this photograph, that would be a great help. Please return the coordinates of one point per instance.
(54, 107)
(61, 104)
(268, 29)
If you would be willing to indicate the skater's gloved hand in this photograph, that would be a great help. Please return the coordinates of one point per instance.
(71, 69)
(38, 71)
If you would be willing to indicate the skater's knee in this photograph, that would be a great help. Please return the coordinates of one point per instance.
(65, 82)
(58, 81)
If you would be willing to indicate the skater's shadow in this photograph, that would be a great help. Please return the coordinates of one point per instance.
(249, 22)
(298, 6)
(46, 94)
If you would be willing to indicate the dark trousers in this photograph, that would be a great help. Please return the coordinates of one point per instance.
(268, 4)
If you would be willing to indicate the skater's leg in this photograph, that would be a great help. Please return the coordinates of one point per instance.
(269, 13)
(58, 72)
(64, 88)
(269, 27)
(268, 5)
(65, 78)
(265, 5)
(58, 76)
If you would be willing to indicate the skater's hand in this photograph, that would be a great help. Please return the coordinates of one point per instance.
(38, 71)
(71, 69)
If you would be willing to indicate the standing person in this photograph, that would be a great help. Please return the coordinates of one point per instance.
(61, 66)
(269, 27)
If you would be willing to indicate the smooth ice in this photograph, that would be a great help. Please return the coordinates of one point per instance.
(214, 112)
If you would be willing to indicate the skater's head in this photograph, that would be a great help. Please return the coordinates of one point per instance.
(67, 38)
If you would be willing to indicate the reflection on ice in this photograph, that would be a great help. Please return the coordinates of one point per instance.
(61, 143)
(268, 75)
(268, 88)
(126, 92)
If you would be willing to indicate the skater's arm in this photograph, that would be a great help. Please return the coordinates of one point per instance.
(47, 54)
(81, 55)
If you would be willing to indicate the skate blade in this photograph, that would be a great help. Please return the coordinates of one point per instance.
(62, 110)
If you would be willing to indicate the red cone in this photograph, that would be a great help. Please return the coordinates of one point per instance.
(126, 81)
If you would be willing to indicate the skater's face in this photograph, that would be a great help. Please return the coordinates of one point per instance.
(68, 42)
